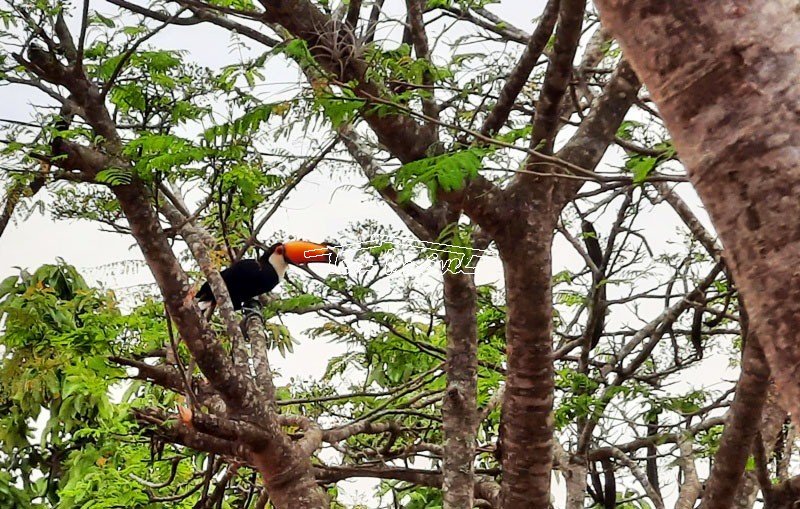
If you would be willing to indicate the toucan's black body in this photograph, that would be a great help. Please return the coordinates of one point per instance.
(245, 279)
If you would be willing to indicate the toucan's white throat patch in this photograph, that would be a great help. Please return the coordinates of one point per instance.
(280, 264)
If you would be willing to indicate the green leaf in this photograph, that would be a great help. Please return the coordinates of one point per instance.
(297, 50)
(340, 109)
(242, 127)
(7, 285)
(381, 181)
(114, 177)
(448, 172)
(104, 20)
(627, 128)
(641, 167)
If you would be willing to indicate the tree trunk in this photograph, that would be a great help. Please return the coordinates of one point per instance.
(725, 77)
(460, 402)
(290, 482)
(459, 412)
(526, 425)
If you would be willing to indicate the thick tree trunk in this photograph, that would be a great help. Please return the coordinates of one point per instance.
(526, 425)
(725, 77)
(460, 403)
(459, 414)
(290, 482)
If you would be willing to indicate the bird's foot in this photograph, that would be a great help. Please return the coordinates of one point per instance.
(252, 307)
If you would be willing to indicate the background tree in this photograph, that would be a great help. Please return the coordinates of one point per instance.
(722, 161)
(461, 394)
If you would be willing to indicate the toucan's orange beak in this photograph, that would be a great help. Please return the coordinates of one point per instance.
(299, 252)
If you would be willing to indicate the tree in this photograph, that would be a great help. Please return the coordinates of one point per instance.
(57, 335)
(488, 388)
(526, 430)
(729, 121)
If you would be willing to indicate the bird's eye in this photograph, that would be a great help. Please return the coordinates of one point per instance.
(279, 250)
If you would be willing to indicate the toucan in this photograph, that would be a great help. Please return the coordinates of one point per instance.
(247, 279)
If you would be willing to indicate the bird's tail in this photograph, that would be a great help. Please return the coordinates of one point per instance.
(205, 299)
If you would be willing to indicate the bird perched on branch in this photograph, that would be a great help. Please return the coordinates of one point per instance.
(247, 279)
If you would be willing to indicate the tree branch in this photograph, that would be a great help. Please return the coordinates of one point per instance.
(691, 487)
(640, 476)
(82, 38)
(568, 33)
(742, 425)
(18, 191)
(519, 75)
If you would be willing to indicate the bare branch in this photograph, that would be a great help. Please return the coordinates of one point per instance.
(374, 15)
(82, 38)
(416, 218)
(305, 169)
(489, 22)
(690, 219)
(18, 191)
(568, 33)
(691, 487)
(519, 75)
(200, 16)
(65, 38)
(640, 476)
(420, 41)
(353, 11)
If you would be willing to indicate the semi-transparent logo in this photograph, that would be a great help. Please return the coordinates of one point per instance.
(397, 254)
